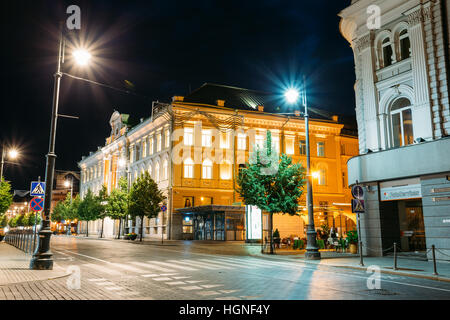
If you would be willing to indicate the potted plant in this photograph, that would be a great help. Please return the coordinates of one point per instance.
(352, 238)
(131, 236)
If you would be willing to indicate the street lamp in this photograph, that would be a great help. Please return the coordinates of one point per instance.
(12, 154)
(42, 257)
(312, 251)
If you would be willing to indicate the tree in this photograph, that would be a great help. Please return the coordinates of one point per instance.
(88, 209)
(31, 217)
(6, 197)
(20, 221)
(145, 199)
(117, 206)
(272, 183)
(3, 221)
(102, 200)
(59, 212)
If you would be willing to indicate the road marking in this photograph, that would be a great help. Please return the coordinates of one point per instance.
(208, 293)
(162, 279)
(102, 268)
(172, 265)
(113, 288)
(204, 265)
(151, 266)
(190, 288)
(209, 286)
(231, 264)
(247, 263)
(83, 255)
(149, 275)
(128, 268)
(192, 264)
(181, 277)
(175, 283)
(168, 274)
(106, 283)
(227, 291)
(195, 281)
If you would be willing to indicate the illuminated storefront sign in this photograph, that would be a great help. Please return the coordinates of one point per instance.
(253, 215)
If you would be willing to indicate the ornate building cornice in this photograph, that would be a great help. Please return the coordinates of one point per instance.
(363, 43)
(420, 15)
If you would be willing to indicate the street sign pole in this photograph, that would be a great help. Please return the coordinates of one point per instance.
(361, 262)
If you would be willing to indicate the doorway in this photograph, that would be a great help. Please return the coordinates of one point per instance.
(412, 227)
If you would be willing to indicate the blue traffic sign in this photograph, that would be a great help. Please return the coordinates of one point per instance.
(37, 204)
(37, 189)
(163, 208)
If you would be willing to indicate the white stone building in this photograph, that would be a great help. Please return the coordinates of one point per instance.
(402, 107)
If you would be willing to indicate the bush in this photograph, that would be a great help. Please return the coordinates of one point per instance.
(352, 236)
(130, 236)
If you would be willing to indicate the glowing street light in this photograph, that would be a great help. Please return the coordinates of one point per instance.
(316, 175)
(12, 154)
(292, 95)
(81, 56)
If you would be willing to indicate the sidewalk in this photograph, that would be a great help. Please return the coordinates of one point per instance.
(14, 267)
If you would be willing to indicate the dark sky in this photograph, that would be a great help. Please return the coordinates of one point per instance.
(164, 48)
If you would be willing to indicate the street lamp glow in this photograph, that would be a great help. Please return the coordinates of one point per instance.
(315, 174)
(122, 162)
(13, 153)
(82, 56)
(291, 95)
(66, 184)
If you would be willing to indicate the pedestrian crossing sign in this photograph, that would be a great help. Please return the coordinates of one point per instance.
(37, 189)
(358, 206)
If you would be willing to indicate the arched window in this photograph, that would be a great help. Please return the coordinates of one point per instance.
(207, 169)
(225, 170)
(401, 123)
(322, 178)
(188, 168)
(157, 176)
(150, 171)
(165, 170)
(405, 45)
(387, 52)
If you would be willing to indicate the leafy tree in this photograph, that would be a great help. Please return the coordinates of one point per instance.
(145, 199)
(117, 206)
(31, 218)
(59, 212)
(13, 222)
(3, 221)
(102, 200)
(88, 209)
(20, 221)
(6, 197)
(272, 183)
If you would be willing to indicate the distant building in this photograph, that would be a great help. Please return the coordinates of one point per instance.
(402, 108)
(194, 147)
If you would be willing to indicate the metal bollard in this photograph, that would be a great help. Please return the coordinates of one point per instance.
(433, 250)
(395, 256)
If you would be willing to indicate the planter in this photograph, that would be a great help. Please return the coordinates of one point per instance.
(353, 248)
(130, 236)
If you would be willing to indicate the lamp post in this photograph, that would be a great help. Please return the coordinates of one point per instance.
(42, 257)
(312, 251)
(12, 154)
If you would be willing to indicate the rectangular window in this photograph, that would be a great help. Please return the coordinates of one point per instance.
(321, 149)
(242, 141)
(158, 142)
(150, 145)
(276, 143)
(188, 136)
(144, 148)
(322, 177)
(259, 141)
(167, 138)
(407, 127)
(188, 170)
(206, 138)
(302, 147)
(225, 140)
(396, 130)
(290, 145)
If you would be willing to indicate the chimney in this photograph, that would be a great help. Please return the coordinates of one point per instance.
(335, 118)
(261, 108)
(177, 99)
(220, 103)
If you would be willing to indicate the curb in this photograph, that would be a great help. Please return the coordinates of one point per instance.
(45, 279)
(412, 275)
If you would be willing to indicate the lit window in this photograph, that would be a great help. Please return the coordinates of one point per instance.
(150, 145)
(405, 45)
(206, 138)
(225, 170)
(276, 143)
(224, 140)
(322, 177)
(401, 123)
(137, 151)
(157, 176)
(290, 145)
(242, 141)
(207, 169)
(165, 170)
(259, 141)
(188, 136)
(303, 147)
(158, 142)
(321, 149)
(167, 138)
(188, 168)
(150, 171)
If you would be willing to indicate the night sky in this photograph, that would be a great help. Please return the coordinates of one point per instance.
(164, 48)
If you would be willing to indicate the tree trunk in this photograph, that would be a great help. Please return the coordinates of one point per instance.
(120, 226)
(142, 226)
(103, 223)
(271, 232)
(87, 228)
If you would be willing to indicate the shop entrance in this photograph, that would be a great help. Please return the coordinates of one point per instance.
(412, 227)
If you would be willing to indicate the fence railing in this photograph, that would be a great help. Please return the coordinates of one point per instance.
(24, 240)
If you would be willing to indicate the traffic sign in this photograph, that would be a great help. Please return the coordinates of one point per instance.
(37, 189)
(37, 204)
(358, 192)
(358, 206)
(163, 208)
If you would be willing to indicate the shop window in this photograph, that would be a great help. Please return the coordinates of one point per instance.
(187, 224)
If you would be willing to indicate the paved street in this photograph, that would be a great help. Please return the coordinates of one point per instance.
(195, 271)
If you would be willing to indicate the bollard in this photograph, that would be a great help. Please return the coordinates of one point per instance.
(395, 256)
(433, 250)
